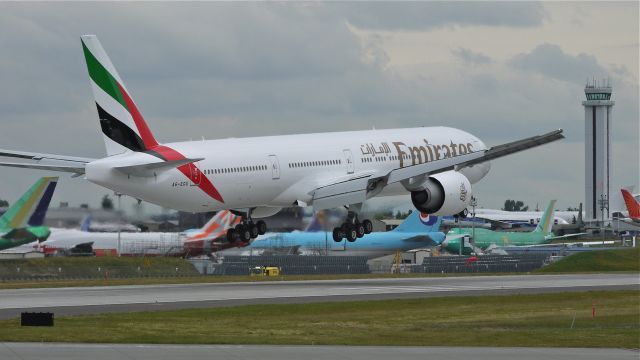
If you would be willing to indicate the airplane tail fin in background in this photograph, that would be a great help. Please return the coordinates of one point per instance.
(122, 124)
(546, 222)
(632, 204)
(318, 222)
(418, 222)
(31, 208)
(216, 226)
(85, 225)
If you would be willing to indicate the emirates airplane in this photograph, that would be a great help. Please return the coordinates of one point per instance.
(256, 177)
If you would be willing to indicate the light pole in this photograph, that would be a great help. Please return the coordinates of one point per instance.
(474, 203)
(119, 195)
(604, 205)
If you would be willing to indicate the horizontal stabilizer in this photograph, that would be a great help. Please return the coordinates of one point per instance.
(78, 170)
(150, 169)
(40, 156)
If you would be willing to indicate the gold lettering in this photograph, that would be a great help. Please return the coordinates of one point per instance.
(417, 152)
(462, 149)
(430, 149)
(401, 153)
(453, 148)
(448, 153)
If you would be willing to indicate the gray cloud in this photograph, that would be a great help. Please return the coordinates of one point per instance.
(429, 15)
(551, 61)
(471, 57)
(248, 69)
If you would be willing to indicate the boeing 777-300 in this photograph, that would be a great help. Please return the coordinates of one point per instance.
(256, 177)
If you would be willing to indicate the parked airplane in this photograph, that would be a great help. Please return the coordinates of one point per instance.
(483, 239)
(632, 205)
(416, 231)
(258, 176)
(210, 238)
(23, 222)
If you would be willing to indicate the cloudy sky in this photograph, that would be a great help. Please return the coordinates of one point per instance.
(501, 71)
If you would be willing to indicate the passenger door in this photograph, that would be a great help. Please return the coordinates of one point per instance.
(275, 167)
(348, 159)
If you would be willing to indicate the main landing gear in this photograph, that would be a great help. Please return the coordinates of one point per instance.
(246, 230)
(352, 229)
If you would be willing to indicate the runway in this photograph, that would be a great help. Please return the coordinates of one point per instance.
(91, 300)
(29, 351)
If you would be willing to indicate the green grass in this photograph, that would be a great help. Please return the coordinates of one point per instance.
(52, 268)
(597, 261)
(513, 320)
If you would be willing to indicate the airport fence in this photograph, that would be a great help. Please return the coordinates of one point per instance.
(481, 263)
(291, 264)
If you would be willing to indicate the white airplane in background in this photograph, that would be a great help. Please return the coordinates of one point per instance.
(258, 176)
(526, 218)
(210, 238)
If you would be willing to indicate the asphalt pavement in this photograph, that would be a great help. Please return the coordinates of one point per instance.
(33, 351)
(89, 300)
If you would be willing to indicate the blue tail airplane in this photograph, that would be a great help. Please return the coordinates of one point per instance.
(417, 231)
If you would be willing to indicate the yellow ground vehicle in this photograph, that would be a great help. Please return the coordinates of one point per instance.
(264, 271)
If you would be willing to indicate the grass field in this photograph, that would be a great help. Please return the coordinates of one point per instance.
(597, 261)
(514, 320)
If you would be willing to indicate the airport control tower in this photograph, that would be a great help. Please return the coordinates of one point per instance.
(597, 146)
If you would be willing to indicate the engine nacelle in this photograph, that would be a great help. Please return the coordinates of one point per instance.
(447, 193)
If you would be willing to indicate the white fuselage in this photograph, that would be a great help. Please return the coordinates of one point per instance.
(281, 171)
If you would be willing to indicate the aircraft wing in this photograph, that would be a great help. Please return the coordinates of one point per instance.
(566, 236)
(72, 164)
(476, 157)
(428, 240)
(360, 187)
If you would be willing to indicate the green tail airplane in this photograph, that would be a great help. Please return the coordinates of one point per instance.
(23, 222)
(482, 239)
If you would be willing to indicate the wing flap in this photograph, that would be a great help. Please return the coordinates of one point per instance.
(352, 190)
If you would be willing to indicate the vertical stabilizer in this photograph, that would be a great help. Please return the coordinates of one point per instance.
(32, 207)
(122, 125)
(632, 204)
(546, 221)
(419, 222)
(216, 226)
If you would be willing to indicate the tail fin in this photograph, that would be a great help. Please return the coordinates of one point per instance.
(318, 223)
(632, 204)
(32, 207)
(85, 225)
(216, 226)
(419, 222)
(122, 124)
(546, 221)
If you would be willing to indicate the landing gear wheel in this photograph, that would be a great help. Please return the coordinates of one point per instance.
(253, 229)
(232, 235)
(359, 230)
(352, 234)
(338, 235)
(262, 227)
(463, 214)
(368, 226)
(244, 233)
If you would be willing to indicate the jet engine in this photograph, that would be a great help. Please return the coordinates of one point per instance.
(447, 193)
